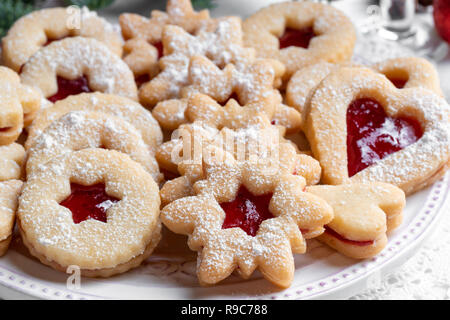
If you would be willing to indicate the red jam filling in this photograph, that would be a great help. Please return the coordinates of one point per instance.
(5, 129)
(70, 87)
(247, 211)
(296, 38)
(333, 233)
(399, 83)
(88, 202)
(372, 135)
(159, 46)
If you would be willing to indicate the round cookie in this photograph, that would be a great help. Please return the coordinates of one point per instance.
(120, 237)
(37, 29)
(332, 34)
(121, 107)
(79, 130)
(75, 65)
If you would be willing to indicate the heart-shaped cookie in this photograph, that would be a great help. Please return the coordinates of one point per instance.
(357, 117)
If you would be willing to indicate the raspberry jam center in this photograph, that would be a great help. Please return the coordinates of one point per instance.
(296, 37)
(247, 211)
(70, 87)
(372, 135)
(333, 233)
(88, 202)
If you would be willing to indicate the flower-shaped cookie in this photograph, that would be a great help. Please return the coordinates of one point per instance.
(9, 193)
(12, 157)
(143, 47)
(248, 85)
(18, 105)
(261, 144)
(222, 45)
(300, 34)
(363, 214)
(39, 28)
(76, 65)
(362, 128)
(242, 218)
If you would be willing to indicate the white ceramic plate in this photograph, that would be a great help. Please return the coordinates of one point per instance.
(170, 274)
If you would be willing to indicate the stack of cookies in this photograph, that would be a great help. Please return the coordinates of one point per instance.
(250, 137)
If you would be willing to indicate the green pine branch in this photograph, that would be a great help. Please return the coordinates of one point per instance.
(203, 4)
(91, 4)
(11, 10)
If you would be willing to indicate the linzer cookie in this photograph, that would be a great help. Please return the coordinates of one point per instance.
(261, 144)
(363, 215)
(242, 219)
(300, 34)
(121, 107)
(93, 208)
(79, 130)
(362, 128)
(9, 193)
(143, 47)
(222, 45)
(39, 28)
(408, 72)
(18, 105)
(76, 65)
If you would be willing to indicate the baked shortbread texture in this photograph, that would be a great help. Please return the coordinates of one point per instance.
(100, 249)
(363, 215)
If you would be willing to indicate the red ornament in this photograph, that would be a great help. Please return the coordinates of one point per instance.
(441, 15)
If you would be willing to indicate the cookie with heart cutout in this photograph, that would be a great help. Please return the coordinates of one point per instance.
(143, 47)
(362, 128)
(364, 213)
(18, 105)
(9, 194)
(407, 72)
(75, 65)
(300, 34)
(121, 107)
(12, 158)
(244, 218)
(93, 208)
(42, 27)
(260, 144)
(78, 130)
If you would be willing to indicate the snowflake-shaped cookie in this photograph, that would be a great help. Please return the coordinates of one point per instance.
(267, 246)
(221, 44)
(143, 46)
